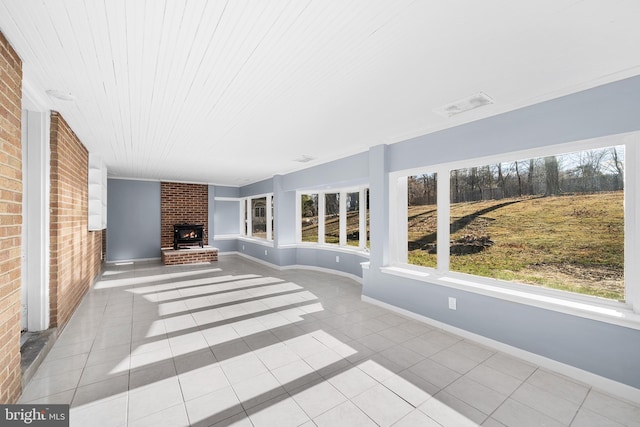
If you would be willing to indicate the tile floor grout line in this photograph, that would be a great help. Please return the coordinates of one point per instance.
(340, 312)
(511, 394)
(581, 405)
(75, 391)
(128, 401)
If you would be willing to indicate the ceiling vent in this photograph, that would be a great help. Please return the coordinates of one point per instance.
(480, 99)
(58, 94)
(304, 159)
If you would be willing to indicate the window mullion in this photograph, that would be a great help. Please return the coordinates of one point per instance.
(632, 208)
(342, 209)
(298, 217)
(362, 220)
(250, 212)
(398, 225)
(242, 216)
(267, 211)
(321, 209)
(443, 212)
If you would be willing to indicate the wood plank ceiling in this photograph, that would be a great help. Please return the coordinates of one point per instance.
(232, 92)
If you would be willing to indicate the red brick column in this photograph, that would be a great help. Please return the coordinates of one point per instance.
(10, 221)
(75, 251)
(180, 203)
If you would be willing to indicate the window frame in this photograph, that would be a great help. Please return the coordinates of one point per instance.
(342, 200)
(246, 217)
(626, 313)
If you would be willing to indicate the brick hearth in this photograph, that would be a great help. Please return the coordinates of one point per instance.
(192, 255)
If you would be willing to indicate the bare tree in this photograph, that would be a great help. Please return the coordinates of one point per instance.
(530, 177)
(590, 169)
(456, 186)
(473, 181)
(425, 189)
(309, 205)
(619, 166)
(487, 182)
(519, 179)
(332, 204)
(501, 180)
(552, 176)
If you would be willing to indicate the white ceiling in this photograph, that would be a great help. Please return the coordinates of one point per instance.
(232, 92)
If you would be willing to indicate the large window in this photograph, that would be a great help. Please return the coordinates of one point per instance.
(422, 219)
(259, 220)
(353, 219)
(334, 218)
(257, 217)
(554, 221)
(273, 221)
(309, 220)
(367, 229)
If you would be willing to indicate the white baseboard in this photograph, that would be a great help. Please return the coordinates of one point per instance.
(228, 253)
(607, 385)
(298, 267)
(323, 270)
(133, 260)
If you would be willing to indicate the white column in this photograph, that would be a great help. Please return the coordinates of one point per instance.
(442, 201)
(249, 209)
(342, 209)
(321, 208)
(362, 210)
(398, 233)
(36, 218)
(631, 218)
(267, 210)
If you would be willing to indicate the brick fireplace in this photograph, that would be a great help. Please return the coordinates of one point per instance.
(182, 203)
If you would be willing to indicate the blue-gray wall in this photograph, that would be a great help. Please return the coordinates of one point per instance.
(605, 110)
(601, 348)
(224, 217)
(261, 187)
(597, 347)
(133, 231)
(349, 171)
(348, 262)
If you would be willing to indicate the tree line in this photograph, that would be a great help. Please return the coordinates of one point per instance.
(584, 172)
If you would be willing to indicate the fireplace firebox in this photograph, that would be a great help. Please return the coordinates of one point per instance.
(188, 235)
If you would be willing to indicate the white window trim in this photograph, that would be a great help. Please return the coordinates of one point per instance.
(267, 210)
(256, 240)
(246, 211)
(363, 219)
(362, 191)
(625, 314)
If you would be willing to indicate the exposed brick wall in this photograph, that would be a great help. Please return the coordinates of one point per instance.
(10, 220)
(75, 251)
(191, 256)
(180, 203)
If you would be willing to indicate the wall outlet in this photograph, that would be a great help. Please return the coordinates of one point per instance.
(452, 303)
(265, 251)
(337, 258)
(243, 247)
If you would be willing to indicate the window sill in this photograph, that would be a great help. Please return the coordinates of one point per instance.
(593, 308)
(256, 240)
(325, 247)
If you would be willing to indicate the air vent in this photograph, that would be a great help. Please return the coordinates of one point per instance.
(470, 103)
(58, 94)
(304, 159)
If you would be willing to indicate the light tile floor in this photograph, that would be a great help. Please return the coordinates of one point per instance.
(238, 343)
